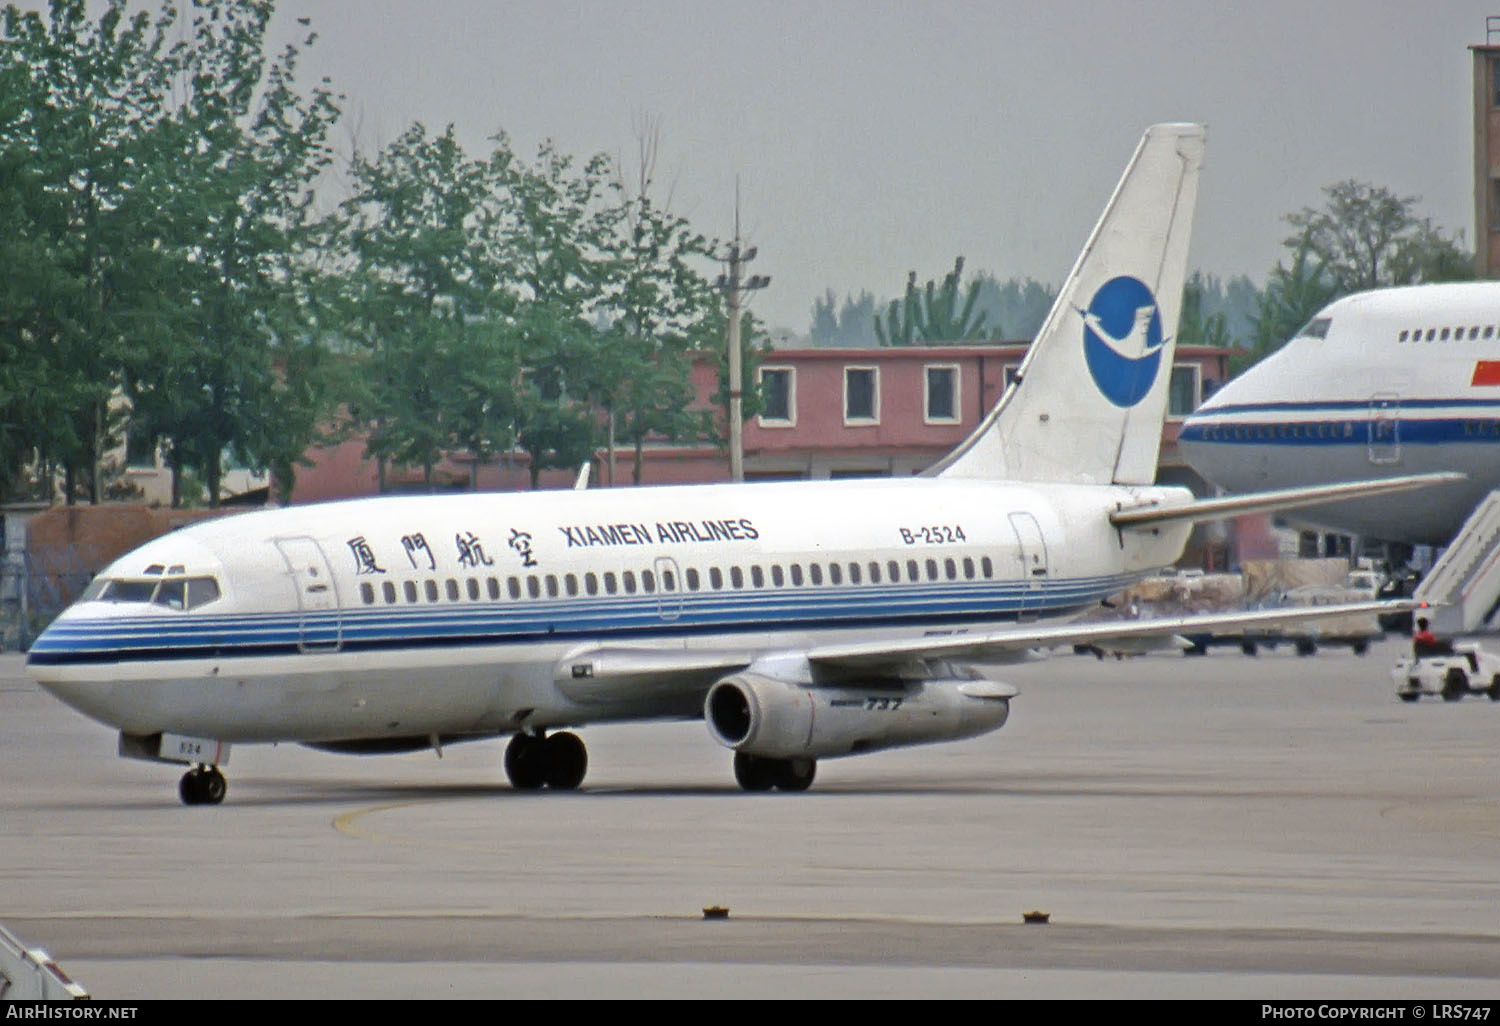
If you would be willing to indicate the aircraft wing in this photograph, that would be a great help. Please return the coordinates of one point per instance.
(1130, 634)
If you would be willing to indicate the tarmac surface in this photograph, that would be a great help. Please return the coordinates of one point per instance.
(1269, 828)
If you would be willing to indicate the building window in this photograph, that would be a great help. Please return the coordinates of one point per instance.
(861, 395)
(1182, 398)
(778, 395)
(941, 403)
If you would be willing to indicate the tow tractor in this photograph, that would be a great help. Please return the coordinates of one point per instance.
(1450, 670)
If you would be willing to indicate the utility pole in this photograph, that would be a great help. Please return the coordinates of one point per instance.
(733, 286)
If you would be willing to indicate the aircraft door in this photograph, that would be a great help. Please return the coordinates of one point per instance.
(1385, 428)
(1032, 557)
(320, 622)
(669, 587)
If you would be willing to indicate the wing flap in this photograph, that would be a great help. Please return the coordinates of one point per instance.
(980, 645)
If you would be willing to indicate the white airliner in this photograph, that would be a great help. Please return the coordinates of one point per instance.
(1379, 384)
(801, 620)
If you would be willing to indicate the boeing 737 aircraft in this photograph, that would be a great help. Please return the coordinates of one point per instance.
(1385, 383)
(801, 620)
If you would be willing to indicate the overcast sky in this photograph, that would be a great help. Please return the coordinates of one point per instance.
(870, 138)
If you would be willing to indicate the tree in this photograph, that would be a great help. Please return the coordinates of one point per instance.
(1195, 326)
(850, 324)
(427, 303)
(934, 314)
(1291, 296)
(233, 190)
(1367, 237)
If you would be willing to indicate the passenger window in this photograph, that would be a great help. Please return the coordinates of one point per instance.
(853, 573)
(367, 593)
(736, 577)
(932, 570)
(570, 582)
(494, 588)
(1431, 334)
(432, 590)
(552, 586)
(668, 581)
(874, 572)
(1403, 337)
(987, 567)
(951, 569)
(628, 578)
(474, 588)
(648, 581)
(968, 569)
(757, 577)
(1489, 331)
(815, 573)
(610, 584)
(410, 587)
(797, 574)
(912, 573)
(1444, 336)
(452, 590)
(835, 574)
(692, 579)
(386, 587)
(715, 578)
(533, 586)
(778, 578)
(513, 585)
(591, 583)
(893, 571)
(1473, 333)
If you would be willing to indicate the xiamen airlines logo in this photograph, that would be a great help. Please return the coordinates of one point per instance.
(1122, 340)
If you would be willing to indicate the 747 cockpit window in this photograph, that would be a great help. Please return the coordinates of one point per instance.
(174, 593)
(1316, 328)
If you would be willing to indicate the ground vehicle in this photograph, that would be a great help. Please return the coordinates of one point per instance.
(1453, 671)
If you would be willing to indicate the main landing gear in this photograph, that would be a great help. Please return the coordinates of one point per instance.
(202, 785)
(533, 762)
(758, 773)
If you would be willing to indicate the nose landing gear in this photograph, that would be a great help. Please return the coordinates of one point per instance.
(202, 785)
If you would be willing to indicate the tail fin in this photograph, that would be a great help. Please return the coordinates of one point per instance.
(1092, 392)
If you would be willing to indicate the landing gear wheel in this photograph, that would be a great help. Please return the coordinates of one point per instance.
(567, 760)
(795, 774)
(1360, 647)
(1249, 648)
(1409, 696)
(202, 785)
(526, 762)
(1306, 648)
(1455, 685)
(1494, 689)
(754, 773)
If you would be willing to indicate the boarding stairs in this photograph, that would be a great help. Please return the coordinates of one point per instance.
(1463, 587)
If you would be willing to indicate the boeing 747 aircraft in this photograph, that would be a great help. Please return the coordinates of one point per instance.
(800, 620)
(1379, 384)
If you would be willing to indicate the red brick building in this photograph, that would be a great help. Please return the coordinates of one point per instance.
(828, 413)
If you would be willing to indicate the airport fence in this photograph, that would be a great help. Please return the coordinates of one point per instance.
(34, 588)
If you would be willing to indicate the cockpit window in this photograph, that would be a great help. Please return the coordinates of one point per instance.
(201, 590)
(128, 591)
(1316, 328)
(172, 594)
(181, 593)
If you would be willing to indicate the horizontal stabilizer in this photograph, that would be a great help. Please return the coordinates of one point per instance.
(1266, 502)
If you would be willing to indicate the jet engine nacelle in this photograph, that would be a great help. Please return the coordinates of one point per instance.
(760, 715)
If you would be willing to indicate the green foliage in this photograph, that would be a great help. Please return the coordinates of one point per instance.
(847, 325)
(1291, 296)
(1367, 237)
(1196, 327)
(935, 314)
